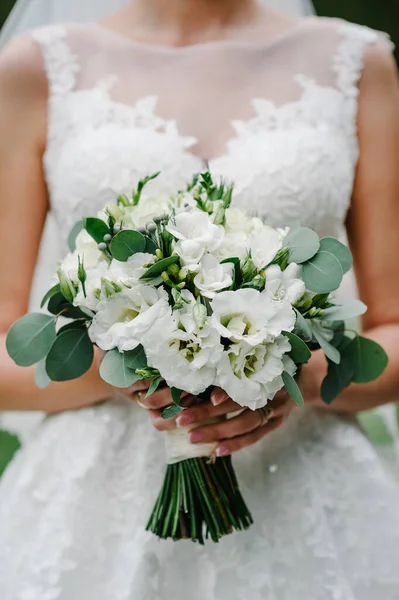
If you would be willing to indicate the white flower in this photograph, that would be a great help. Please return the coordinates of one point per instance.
(87, 249)
(239, 222)
(213, 276)
(284, 285)
(264, 244)
(190, 253)
(128, 273)
(185, 354)
(252, 375)
(146, 210)
(122, 319)
(92, 287)
(196, 226)
(247, 315)
(233, 244)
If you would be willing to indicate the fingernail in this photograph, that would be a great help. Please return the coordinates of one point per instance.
(184, 420)
(218, 397)
(196, 436)
(222, 451)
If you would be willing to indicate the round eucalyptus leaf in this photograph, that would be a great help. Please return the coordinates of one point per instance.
(303, 244)
(77, 228)
(150, 246)
(300, 353)
(337, 379)
(135, 359)
(115, 371)
(30, 338)
(322, 273)
(368, 359)
(59, 305)
(42, 380)
(97, 229)
(292, 389)
(70, 356)
(126, 243)
(342, 312)
(156, 270)
(303, 328)
(171, 411)
(329, 350)
(339, 250)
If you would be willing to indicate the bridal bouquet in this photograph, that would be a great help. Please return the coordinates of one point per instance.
(190, 290)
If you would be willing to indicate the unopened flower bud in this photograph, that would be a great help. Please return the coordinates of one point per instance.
(174, 270)
(151, 227)
(200, 314)
(117, 227)
(182, 285)
(67, 288)
(107, 287)
(159, 254)
(107, 238)
(115, 211)
(102, 246)
(165, 277)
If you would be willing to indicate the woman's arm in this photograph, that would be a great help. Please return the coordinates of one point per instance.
(373, 230)
(23, 209)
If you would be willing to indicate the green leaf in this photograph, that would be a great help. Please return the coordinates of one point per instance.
(156, 270)
(150, 246)
(9, 445)
(329, 350)
(339, 250)
(154, 386)
(176, 395)
(292, 389)
(171, 411)
(42, 380)
(78, 324)
(303, 243)
(127, 243)
(300, 353)
(58, 304)
(30, 338)
(376, 428)
(322, 273)
(70, 356)
(342, 312)
(303, 328)
(54, 290)
(136, 359)
(77, 228)
(115, 371)
(368, 359)
(237, 276)
(97, 229)
(337, 379)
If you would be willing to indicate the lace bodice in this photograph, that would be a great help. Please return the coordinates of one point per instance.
(278, 118)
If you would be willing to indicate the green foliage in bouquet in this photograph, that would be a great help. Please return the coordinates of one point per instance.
(200, 496)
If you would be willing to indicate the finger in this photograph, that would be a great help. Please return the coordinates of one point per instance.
(228, 447)
(205, 411)
(245, 422)
(218, 396)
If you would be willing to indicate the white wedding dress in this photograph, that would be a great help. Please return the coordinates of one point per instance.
(278, 118)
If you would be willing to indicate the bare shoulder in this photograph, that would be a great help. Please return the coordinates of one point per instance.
(21, 69)
(379, 66)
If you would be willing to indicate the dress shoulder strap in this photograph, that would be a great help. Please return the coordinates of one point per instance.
(61, 64)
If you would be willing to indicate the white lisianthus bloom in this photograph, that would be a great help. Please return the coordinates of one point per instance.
(284, 285)
(147, 209)
(190, 253)
(185, 353)
(123, 319)
(196, 226)
(92, 287)
(87, 249)
(252, 375)
(128, 273)
(264, 244)
(233, 244)
(250, 316)
(213, 276)
(239, 222)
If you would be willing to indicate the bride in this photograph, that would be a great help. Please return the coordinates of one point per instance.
(302, 113)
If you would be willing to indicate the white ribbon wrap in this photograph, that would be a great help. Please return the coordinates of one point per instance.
(178, 445)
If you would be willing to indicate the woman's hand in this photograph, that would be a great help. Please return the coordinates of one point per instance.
(233, 434)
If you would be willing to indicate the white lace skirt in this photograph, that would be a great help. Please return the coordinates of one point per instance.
(74, 505)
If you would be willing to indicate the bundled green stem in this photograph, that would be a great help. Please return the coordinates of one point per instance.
(199, 499)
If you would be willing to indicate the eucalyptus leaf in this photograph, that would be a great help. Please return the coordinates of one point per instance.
(303, 243)
(292, 389)
(337, 379)
(127, 243)
(78, 324)
(97, 229)
(329, 350)
(303, 328)
(136, 359)
(77, 228)
(176, 395)
(115, 371)
(171, 411)
(59, 305)
(70, 356)
(154, 386)
(42, 380)
(9, 445)
(150, 246)
(368, 359)
(237, 276)
(339, 250)
(342, 312)
(156, 270)
(54, 290)
(30, 338)
(300, 353)
(322, 273)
